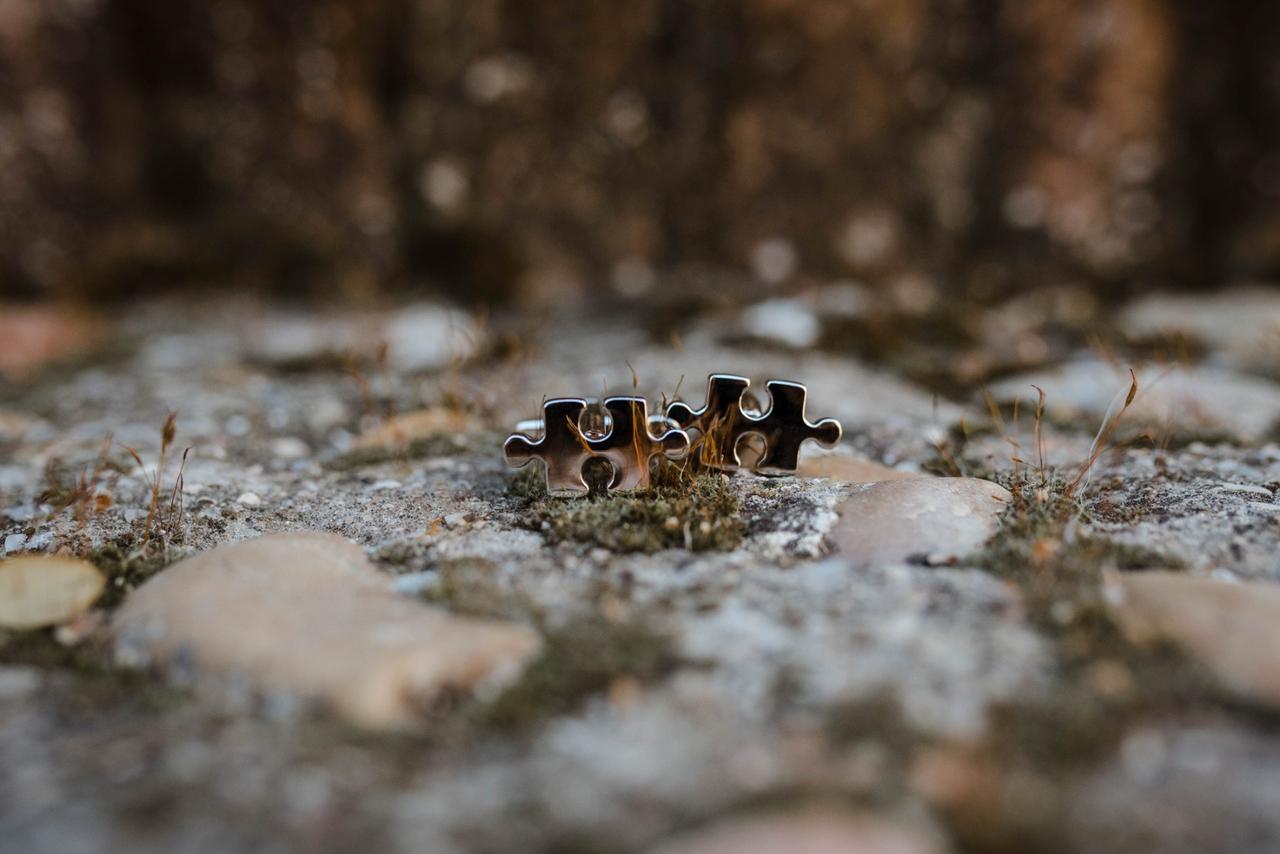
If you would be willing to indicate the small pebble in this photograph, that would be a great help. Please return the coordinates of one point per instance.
(249, 499)
(237, 425)
(290, 448)
(13, 542)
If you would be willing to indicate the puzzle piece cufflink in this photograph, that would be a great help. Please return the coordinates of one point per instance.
(723, 422)
(629, 438)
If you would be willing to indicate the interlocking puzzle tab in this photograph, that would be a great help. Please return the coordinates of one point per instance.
(722, 422)
(631, 444)
(634, 440)
(561, 447)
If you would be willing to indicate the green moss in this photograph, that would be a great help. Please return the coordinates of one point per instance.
(527, 485)
(127, 568)
(1057, 569)
(578, 660)
(679, 510)
(1041, 743)
(1060, 575)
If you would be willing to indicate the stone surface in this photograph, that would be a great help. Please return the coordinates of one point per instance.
(1173, 400)
(920, 519)
(426, 336)
(816, 830)
(305, 614)
(849, 468)
(1179, 782)
(13, 426)
(1239, 326)
(403, 429)
(38, 591)
(1232, 627)
(798, 669)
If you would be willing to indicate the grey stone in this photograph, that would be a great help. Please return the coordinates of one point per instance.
(1176, 399)
(1240, 325)
(897, 521)
(304, 614)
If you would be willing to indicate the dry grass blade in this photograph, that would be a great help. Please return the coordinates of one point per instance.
(1101, 441)
(1040, 431)
(163, 518)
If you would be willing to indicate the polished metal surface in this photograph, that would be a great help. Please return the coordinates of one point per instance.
(722, 422)
(573, 430)
(624, 434)
(558, 444)
(631, 444)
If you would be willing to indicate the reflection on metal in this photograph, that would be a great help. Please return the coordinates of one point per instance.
(722, 423)
(573, 430)
(566, 437)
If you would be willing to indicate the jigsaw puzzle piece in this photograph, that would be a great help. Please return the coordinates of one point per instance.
(561, 447)
(632, 442)
(719, 422)
(785, 427)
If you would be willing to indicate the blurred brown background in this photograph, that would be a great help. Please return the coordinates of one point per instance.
(503, 150)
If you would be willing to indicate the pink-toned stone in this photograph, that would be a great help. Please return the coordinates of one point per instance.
(849, 468)
(42, 590)
(937, 518)
(307, 614)
(1232, 628)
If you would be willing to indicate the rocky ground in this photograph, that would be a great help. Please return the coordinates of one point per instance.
(990, 620)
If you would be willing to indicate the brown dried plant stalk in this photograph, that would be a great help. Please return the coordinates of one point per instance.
(165, 520)
(1101, 442)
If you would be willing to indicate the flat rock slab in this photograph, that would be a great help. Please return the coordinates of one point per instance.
(1232, 628)
(306, 614)
(934, 519)
(1177, 399)
(812, 831)
(849, 468)
(1241, 326)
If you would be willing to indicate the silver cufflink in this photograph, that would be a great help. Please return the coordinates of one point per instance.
(723, 421)
(573, 430)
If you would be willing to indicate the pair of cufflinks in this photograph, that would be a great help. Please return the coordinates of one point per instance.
(620, 429)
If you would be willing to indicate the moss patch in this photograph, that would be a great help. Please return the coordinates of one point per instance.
(679, 510)
(578, 660)
(1021, 782)
(127, 568)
